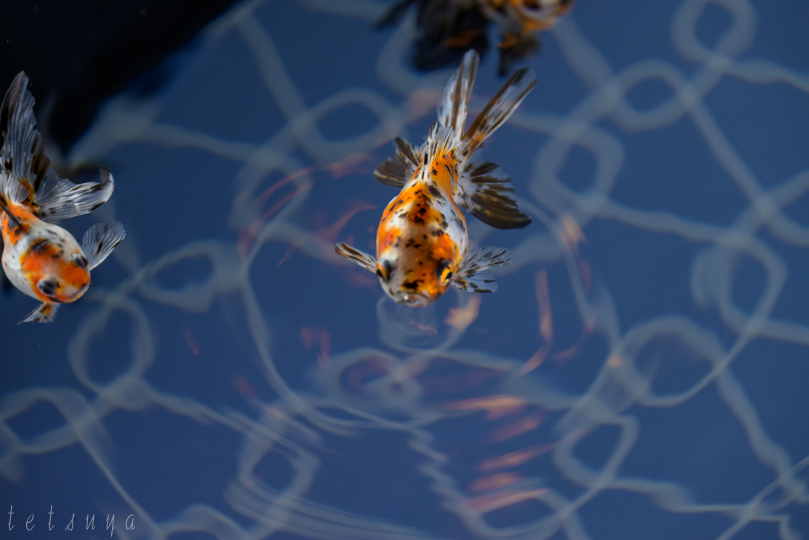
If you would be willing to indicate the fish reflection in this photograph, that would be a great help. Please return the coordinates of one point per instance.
(39, 258)
(422, 237)
(448, 28)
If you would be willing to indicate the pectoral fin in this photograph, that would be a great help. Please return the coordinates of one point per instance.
(363, 259)
(100, 240)
(42, 314)
(474, 274)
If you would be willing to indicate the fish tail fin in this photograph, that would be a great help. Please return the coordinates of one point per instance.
(44, 313)
(26, 171)
(458, 92)
(99, 241)
(484, 190)
(21, 142)
(499, 109)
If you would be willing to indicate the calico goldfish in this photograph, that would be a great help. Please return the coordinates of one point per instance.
(41, 259)
(422, 240)
(448, 28)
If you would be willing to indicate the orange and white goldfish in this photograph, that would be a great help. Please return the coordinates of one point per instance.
(422, 240)
(41, 259)
(448, 28)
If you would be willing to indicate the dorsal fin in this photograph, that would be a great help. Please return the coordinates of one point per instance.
(439, 140)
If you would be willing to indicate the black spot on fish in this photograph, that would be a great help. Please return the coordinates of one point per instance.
(434, 171)
(434, 191)
(460, 224)
(412, 284)
(438, 233)
(39, 245)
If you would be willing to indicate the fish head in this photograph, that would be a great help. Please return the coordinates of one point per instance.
(58, 272)
(416, 273)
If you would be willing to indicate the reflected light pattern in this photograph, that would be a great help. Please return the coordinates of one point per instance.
(641, 371)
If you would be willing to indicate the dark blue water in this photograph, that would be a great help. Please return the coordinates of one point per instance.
(640, 373)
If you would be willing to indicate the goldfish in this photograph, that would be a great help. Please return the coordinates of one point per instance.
(422, 240)
(448, 28)
(40, 258)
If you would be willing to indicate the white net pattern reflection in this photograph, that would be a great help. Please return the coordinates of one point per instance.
(558, 441)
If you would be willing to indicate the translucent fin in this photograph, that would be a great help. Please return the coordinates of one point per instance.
(21, 140)
(397, 170)
(474, 275)
(439, 139)
(99, 241)
(11, 191)
(485, 192)
(452, 109)
(42, 314)
(62, 199)
(363, 259)
(498, 110)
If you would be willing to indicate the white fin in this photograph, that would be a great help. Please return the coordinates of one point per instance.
(21, 140)
(499, 109)
(25, 167)
(44, 313)
(485, 192)
(474, 275)
(397, 170)
(363, 259)
(439, 140)
(99, 241)
(452, 109)
(62, 199)
(11, 191)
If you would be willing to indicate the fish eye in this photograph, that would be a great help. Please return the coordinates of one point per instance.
(384, 269)
(47, 287)
(80, 260)
(444, 271)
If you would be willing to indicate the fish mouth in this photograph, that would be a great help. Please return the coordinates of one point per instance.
(412, 299)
